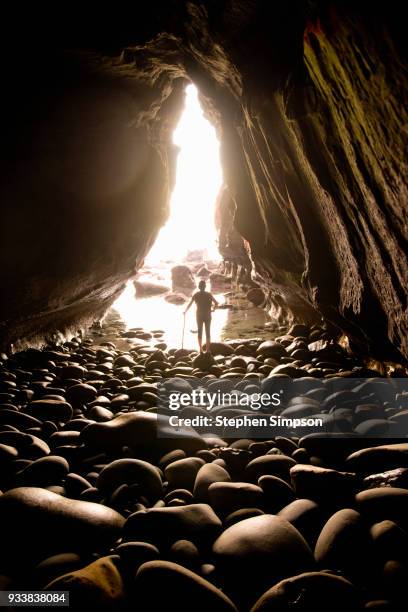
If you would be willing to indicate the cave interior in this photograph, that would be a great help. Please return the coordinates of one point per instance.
(307, 100)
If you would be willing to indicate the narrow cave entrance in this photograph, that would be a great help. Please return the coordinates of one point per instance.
(186, 248)
(190, 233)
(188, 239)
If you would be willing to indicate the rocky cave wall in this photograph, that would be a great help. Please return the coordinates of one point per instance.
(309, 102)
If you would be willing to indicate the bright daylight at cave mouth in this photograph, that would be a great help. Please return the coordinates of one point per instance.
(191, 226)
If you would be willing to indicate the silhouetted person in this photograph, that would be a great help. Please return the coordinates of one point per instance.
(205, 303)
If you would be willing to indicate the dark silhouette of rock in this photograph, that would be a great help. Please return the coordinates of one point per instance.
(99, 583)
(182, 277)
(318, 591)
(181, 589)
(257, 552)
(35, 523)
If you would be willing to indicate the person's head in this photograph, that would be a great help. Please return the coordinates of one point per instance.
(201, 285)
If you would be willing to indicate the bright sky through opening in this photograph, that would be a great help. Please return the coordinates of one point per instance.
(198, 183)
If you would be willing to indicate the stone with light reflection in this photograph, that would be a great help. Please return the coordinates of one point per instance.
(254, 554)
(203, 361)
(131, 471)
(35, 523)
(180, 589)
(148, 434)
(99, 585)
(317, 591)
(164, 526)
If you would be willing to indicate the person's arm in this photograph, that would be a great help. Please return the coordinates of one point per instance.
(191, 302)
(215, 303)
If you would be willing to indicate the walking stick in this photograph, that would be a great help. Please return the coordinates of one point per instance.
(184, 325)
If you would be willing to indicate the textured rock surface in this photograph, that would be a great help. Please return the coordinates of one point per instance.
(312, 147)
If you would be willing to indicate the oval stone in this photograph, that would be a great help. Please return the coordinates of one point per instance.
(311, 592)
(50, 410)
(227, 497)
(99, 586)
(206, 476)
(35, 523)
(180, 589)
(276, 465)
(131, 471)
(255, 553)
(44, 472)
(344, 544)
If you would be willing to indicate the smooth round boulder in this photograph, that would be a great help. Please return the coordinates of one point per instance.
(277, 493)
(64, 438)
(124, 360)
(390, 541)
(307, 516)
(75, 484)
(50, 410)
(182, 494)
(98, 586)
(395, 579)
(173, 455)
(207, 475)
(185, 553)
(164, 526)
(81, 394)
(275, 465)
(378, 458)
(380, 605)
(43, 472)
(7, 453)
(332, 447)
(270, 348)
(241, 515)
(311, 592)
(384, 503)
(146, 433)
(131, 471)
(180, 589)
(203, 361)
(35, 523)
(72, 371)
(254, 554)
(100, 414)
(34, 448)
(134, 554)
(227, 497)
(52, 567)
(181, 474)
(346, 531)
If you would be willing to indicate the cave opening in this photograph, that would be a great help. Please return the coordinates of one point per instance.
(186, 249)
(189, 237)
(190, 230)
(135, 470)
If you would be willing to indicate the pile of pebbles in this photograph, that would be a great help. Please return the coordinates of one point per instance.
(95, 499)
